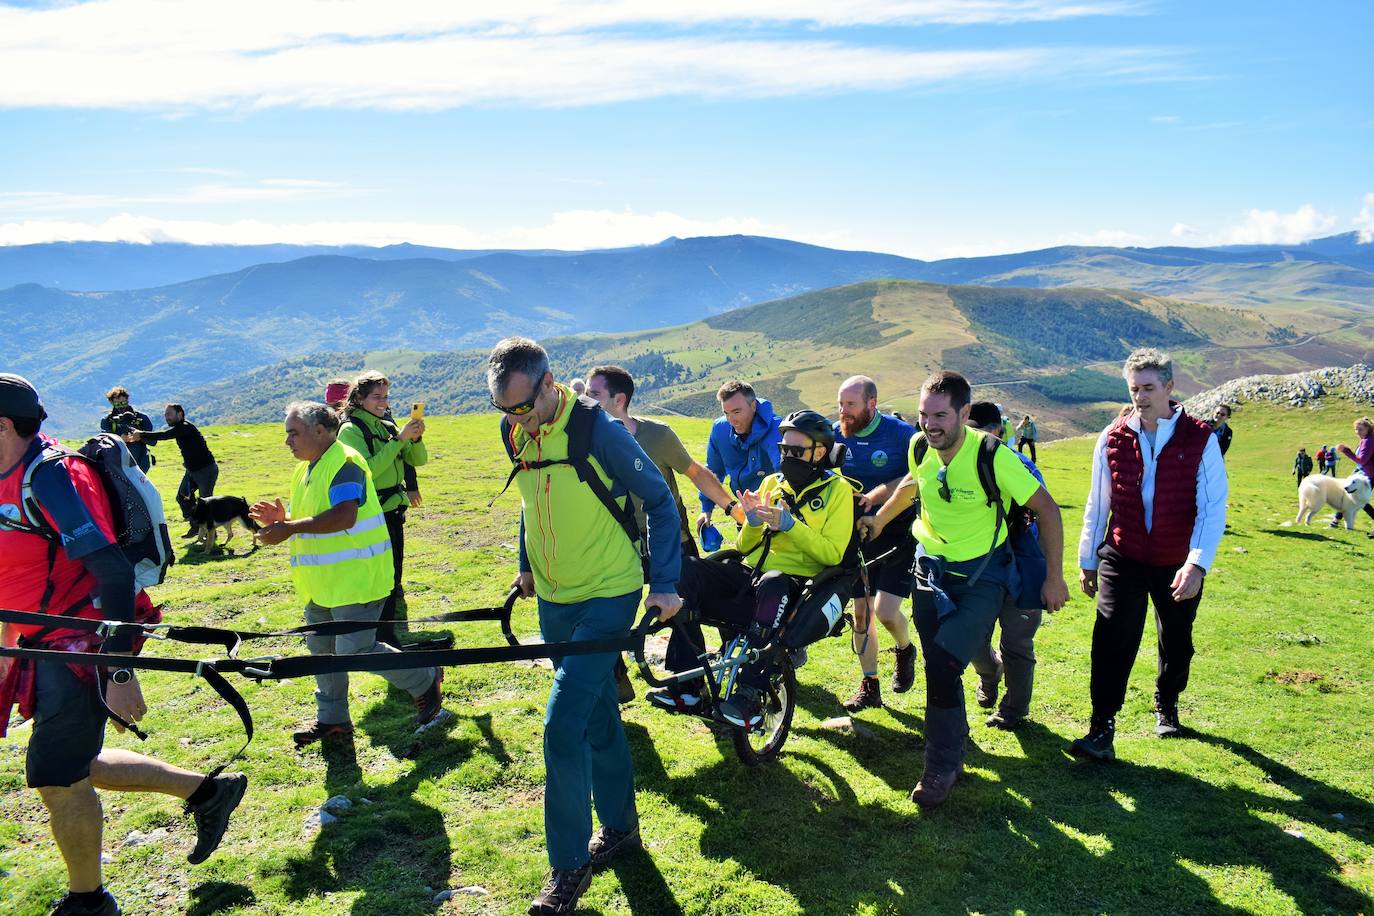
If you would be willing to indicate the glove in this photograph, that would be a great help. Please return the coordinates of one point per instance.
(785, 520)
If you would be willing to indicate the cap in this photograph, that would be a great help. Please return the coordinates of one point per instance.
(336, 391)
(18, 398)
(984, 413)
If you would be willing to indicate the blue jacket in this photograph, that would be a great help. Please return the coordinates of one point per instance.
(744, 461)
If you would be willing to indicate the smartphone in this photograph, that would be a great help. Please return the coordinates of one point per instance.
(417, 410)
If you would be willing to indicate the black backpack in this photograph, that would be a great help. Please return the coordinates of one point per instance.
(581, 419)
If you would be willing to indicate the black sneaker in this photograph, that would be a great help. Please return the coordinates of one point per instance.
(986, 691)
(905, 674)
(212, 815)
(868, 696)
(609, 843)
(70, 905)
(429, 704)
(744, 708)
(1166, 722)
(1097, 743)
(1005, 722)
(565, 888)
(319, 731)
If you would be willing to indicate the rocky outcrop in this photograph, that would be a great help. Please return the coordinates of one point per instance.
(1301, 389)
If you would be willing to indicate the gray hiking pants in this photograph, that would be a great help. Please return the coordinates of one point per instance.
(331, 690)
(200, 482)
(1015, 651)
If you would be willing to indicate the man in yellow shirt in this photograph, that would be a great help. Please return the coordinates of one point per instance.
(964, 566)
(799, 523)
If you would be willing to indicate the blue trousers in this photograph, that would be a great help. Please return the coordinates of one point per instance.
(586, 755)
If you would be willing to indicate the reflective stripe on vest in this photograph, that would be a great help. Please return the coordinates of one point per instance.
(353, 566)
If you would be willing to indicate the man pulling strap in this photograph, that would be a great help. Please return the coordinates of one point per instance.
(579, 553)
(86, 576)
(964, 567)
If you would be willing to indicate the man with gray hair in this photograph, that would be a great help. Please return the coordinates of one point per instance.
(340, 562)
(1152, 523)
(582, 554)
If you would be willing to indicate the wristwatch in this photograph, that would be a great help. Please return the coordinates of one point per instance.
(731, 508)
(121, 676)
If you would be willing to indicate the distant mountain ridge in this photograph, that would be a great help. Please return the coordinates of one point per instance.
(166, 340)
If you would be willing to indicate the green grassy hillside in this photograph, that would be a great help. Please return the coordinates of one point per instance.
(1267, 808)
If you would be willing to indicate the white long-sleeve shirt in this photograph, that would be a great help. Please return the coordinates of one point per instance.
(1211, 494)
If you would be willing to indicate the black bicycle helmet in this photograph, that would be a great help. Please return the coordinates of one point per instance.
(812, 424)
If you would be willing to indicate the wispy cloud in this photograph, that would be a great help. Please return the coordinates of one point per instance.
(271, 189)
(1270, 227)
(1364, 222)
(427, 56)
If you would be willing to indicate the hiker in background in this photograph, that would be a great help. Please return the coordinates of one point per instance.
(1363, 456)
(588, 588)
(964, 565)
(1332, 459)
(340, 563)
(1152, 522)
(876, 458)
(1026, 434)
(123, 419)
(366, 429)
(743, 446)
(1022, 610)
(1221, 427)
(65, 760)
(335, 394)
(578, 387)
(1302, 465)
(201, 470)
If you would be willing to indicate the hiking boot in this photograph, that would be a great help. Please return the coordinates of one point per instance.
(1166, 721)
(1097, 743)
(561, 893)
(933, 788)
(318, 731)
(429, 704)
(868, 696)
(905, 673)
(1007, 723)
(744, 708)
(674, 702)
(609, 843)
(212, 815)
(625, 691)
(72, 905)
(986, 691)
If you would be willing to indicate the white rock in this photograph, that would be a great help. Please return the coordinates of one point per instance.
(106, 858)
(1339, 817)
(318, 819)
(336, 804)
(135, 838)
(848, 725)
(442, 896)
(474, 890)
(1295, 833)
(1240, 550)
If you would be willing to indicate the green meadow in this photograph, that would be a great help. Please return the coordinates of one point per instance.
(1266, 807)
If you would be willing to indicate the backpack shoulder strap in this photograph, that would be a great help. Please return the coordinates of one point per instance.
(368, 437)
(987, 472)
(919, 452)
(579, 430)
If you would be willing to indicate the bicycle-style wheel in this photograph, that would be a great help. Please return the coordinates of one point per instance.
(762, 743)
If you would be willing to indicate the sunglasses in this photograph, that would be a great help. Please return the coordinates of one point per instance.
(518, 410)
(944, 484)
(794, 451)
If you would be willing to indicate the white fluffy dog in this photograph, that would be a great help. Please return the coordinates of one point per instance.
(1348, 496)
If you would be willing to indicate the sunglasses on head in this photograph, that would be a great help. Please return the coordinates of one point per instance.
(944, 484)
(794, 451)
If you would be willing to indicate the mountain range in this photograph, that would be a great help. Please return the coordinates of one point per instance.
(165, 341)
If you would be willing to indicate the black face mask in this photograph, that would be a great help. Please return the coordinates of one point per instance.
(799, 473)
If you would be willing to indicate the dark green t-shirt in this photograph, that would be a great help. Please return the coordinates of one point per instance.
(668, 454)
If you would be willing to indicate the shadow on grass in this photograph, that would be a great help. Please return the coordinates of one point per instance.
(1301, 535)
(396, 846)
(218, 896)
(1035, 831)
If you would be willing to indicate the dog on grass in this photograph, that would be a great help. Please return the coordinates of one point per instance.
(1347, 496)
(211, 514)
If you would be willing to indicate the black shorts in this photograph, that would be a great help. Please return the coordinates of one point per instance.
(893, 574)
(68, 728)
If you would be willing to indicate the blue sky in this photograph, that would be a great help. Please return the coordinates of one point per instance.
(928, 128)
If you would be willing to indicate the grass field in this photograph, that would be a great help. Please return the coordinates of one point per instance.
(1268, 806)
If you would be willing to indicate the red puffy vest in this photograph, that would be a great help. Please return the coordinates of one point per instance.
(1175, 498)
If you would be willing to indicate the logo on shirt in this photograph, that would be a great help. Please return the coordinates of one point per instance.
(639, 465)
(10, 511)
(816, 504)
(879, 458)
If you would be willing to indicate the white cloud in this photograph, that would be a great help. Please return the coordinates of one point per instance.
(1270, 227)
(1112, 238)
(1183, 231)
(1364, 222)
(425, 56)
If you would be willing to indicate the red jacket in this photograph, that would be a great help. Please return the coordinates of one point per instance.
(1166, 543)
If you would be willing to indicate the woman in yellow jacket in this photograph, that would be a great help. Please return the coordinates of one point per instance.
(388, 451)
